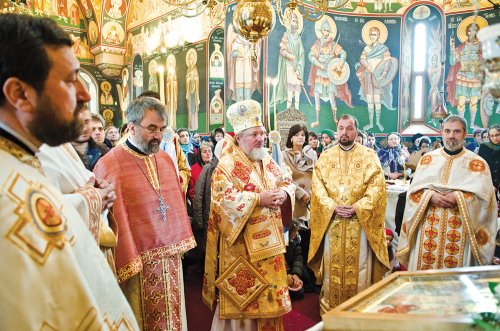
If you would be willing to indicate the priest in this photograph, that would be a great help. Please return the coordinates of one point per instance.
(348, 249)
(450, 218)
(153, 226)
(245, 242)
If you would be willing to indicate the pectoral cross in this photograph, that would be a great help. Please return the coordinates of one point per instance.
(341, 191)
(162, 209)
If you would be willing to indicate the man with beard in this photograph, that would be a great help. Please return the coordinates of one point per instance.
(348, 248)
(153, 226)
(245, 242)
(88, 150)
(44, 241)
(90, 196)
(450, 218)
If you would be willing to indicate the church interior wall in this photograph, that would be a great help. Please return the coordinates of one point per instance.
(138, 38)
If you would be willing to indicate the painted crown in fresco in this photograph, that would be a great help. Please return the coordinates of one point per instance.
(244, 115)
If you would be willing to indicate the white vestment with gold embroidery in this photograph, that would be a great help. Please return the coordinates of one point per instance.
(54, 275)
(440, 238)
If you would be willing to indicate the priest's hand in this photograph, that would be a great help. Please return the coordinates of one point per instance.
(107, 193)
(345, 211)
(272, 199)
(444, 200)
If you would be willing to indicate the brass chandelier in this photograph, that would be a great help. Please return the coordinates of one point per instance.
(311, 10)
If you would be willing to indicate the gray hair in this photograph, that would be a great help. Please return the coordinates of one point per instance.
(456, 118)
(138, 107)
(495, 127)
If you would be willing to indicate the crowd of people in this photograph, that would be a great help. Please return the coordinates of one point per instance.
(96, 221)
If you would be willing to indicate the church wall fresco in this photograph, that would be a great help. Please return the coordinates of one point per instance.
(143, 30)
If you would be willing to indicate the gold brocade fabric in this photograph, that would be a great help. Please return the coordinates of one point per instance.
(345, 236)
(239, 227)
(445, 233)
(353, 178)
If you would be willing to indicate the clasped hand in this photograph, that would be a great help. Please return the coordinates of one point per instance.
(272, 199)
(107, 193)
(345, 211)
(444, 200)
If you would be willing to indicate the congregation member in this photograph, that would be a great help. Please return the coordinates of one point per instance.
(371, 141)
(393, 157)
(112, 135)
(153, 226)
(196, 141)
(54, 275)
(328, 139)
(245, 241)
(473, 146)
(91, 197)
(203, 157)
(361, 137)
(490, 152)
(301, 159)
(485, 137)
(87, 149)
(203, 197)
(450, 218)
(314, 142)
(423, 145)
(186, 145)
(98, 129)
(217, 135)
(348, 248)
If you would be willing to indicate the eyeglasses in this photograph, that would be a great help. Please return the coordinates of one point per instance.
(151, 131)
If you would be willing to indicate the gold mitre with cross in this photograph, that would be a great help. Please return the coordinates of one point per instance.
(244, 115)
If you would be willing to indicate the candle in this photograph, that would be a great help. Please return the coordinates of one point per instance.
(275, 82)
(403, 159)
(268, 112)
(162, 84)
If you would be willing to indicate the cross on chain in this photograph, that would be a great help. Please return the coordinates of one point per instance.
(162, 209)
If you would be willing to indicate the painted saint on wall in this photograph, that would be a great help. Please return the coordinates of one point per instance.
(171, 90)
(376, 71)
(329, 69)
(106, 98)
(465, 75)
(291, 62)
(192, 89)
(243, 74)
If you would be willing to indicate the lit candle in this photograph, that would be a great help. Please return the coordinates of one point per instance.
(403, 159)
(162, 84)
(275, 82)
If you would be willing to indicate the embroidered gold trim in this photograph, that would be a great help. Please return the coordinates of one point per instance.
(20, 154)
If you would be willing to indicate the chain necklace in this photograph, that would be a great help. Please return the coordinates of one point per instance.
(163, 206)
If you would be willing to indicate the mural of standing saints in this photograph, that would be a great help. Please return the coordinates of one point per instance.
(243, 74)
(463, 83)
(329, 71)
(291, 62)
(376, 70)
(192, 89)
(171, 90)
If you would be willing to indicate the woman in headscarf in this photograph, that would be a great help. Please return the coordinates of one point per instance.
(327, 139)
(423, 145)
(301, 158)
(393, 157)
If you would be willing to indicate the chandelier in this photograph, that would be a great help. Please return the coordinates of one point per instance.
(311, 10)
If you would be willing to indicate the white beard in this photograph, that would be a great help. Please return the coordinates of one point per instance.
(258, 154)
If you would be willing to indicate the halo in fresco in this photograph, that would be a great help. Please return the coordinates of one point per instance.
(106, 86)
(93, 32)
(171, 61)
(191, 53)
(113, 33)
(152, 67)
(461, 34)
(331, 23)
(365, 33)
(421, 12)
(288, 17)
